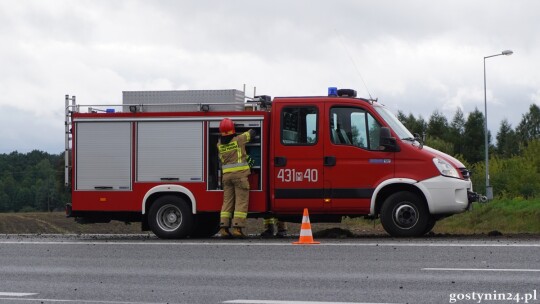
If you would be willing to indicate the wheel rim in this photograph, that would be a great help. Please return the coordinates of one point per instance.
(169, 217)
(405, 216)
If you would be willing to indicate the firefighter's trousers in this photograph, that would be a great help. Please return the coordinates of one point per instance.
(235, 202)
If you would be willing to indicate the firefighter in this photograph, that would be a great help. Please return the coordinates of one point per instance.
(235, 171)
(269, 228)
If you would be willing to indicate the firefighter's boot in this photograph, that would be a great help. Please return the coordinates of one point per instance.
(225, 233)
(238, 234)
(281, 233)
(268, 232)
(281, 229)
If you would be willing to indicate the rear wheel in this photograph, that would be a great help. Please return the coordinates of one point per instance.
(170, 217)
(405, 214)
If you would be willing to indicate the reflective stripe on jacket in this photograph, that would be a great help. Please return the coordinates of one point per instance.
(233, 154)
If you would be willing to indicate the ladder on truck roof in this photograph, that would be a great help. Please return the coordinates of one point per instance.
(68, 139)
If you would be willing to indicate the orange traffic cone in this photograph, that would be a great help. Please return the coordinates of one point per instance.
(306, 237)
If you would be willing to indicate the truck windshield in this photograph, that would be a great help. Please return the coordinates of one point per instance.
(394, 123)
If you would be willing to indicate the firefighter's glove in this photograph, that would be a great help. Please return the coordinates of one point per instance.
(252, 134)
(250, 161)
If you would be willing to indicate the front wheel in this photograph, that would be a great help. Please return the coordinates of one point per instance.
(430, 225)
(170, 217)
(404, 214)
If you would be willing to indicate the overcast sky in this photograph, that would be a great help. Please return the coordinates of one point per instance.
(414, 56)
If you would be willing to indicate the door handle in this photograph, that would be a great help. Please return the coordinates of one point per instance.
(103, 187)
(329, 161)
(280, 161)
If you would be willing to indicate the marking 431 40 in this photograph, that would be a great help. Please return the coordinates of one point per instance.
(294, 175)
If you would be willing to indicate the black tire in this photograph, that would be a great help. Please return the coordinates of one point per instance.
(430, 225)
(170, 217)
(404, 214)
(206, 225)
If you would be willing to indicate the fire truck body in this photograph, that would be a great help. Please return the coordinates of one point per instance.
(336, 155)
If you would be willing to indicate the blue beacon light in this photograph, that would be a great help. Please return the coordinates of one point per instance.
(332, 91)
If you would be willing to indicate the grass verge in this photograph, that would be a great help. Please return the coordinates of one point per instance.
(57, 223)
(507, 216)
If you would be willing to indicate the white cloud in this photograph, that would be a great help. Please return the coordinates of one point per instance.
(25, 131)
(464, 96)
(535, 97)
(416, 56)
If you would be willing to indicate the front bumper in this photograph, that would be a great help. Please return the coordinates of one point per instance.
(447, 195)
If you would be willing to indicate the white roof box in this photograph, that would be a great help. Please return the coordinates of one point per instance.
(183, 101)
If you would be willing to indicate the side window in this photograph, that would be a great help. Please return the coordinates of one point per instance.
(359, 130)
(299, 126)
(355, 127)
(374, 132)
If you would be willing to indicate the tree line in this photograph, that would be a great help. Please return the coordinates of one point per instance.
(34, 181)
(514, 165)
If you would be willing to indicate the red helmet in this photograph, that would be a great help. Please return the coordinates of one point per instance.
(226, 127)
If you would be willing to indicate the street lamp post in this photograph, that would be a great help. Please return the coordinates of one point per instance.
(489, 189)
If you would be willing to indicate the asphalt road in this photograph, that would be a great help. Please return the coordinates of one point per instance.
(122, 269)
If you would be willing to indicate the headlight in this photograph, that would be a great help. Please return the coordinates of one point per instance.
(445, 168)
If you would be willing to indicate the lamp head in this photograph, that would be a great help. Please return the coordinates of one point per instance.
(507, 52)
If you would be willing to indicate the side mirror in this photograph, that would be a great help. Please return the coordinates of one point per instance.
(387, 142)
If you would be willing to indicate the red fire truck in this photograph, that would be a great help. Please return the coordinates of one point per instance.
(153, 159)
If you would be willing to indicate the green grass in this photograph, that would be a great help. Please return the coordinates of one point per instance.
(508, 216)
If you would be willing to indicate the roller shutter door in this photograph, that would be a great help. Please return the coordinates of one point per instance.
(103, 156)
(170, 151)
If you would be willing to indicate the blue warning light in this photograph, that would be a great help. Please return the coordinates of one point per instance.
(332, 91)
(109, 111)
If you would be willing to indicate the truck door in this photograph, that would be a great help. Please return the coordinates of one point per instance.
(297, 162)
(354, 164)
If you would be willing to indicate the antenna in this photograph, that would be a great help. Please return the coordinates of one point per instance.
(354, 63)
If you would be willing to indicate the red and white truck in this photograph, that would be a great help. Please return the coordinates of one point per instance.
(154, 159)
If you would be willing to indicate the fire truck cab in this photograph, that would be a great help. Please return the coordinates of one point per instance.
(154, 159)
